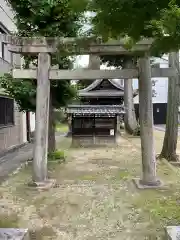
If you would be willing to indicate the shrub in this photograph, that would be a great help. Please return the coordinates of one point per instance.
(57, 155)
(137, 131)
(60, 116)
(122, 125)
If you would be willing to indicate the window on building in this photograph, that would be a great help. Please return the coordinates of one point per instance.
(4, 53)
(2, 50)
(2, 45)
(6, 111)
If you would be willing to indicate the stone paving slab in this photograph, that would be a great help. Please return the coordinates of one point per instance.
(14, 234)
(17, 153)
(13, 160)
(173, 232)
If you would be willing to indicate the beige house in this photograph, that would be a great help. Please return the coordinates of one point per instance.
(13, 124)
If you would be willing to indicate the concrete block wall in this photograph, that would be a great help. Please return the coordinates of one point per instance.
(4, 67)
(15, 135)
(12, 136)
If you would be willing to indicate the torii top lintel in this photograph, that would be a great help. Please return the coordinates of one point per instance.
(72, 46)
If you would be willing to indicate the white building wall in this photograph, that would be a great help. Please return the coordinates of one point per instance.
(10, 136)
(24, 128)
(7, 16)
(6, 21)
(161, 84)
(32, 122)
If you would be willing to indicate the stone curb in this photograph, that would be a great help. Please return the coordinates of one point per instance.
(11, 150)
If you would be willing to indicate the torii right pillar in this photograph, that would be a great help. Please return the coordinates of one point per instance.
(149, 179)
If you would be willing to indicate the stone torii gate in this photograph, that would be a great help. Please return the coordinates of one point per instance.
(43, 47)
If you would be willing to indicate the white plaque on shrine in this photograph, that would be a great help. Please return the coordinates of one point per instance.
(112, 132)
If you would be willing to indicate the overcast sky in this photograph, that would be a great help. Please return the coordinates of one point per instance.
(83, 60)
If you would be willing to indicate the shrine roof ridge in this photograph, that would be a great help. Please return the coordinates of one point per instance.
(95, 83)
(97, 106)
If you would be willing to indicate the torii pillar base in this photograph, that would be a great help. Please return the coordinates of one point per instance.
(141, 185)
(47, 184)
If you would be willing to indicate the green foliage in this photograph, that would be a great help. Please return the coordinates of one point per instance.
(84, 83)
(60, 117)
(122, 126)
(137, 131)
(139, 18)
(62, 127)
(48, 18)
(127, 17)
(56, 155)
(167, 32)
(23, 90)
(45, 18)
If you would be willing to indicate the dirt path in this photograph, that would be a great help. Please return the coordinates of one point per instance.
(95, 198)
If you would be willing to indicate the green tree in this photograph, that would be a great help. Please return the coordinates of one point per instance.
(122, 61)
(45, 18)
(135, 19)
(146, 18)
(171, 134)
(139, 18)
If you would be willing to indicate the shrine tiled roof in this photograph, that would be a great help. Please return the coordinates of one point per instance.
(91, 92)
(98, 82)
(95, 109)
(102, 93)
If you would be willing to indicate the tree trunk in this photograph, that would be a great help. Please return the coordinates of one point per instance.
(171, 134)
(94, 62)
(130, 117)
(28, 126)
(69, 122)
(51, 133)
(146, 123)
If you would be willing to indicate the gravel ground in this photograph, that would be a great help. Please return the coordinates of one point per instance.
(94, 198)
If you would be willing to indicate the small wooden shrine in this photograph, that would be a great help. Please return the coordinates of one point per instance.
(94, 120)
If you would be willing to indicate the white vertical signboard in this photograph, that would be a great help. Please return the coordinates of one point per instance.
(112, 132)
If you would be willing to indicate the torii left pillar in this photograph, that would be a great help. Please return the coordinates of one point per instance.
(42, 120)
